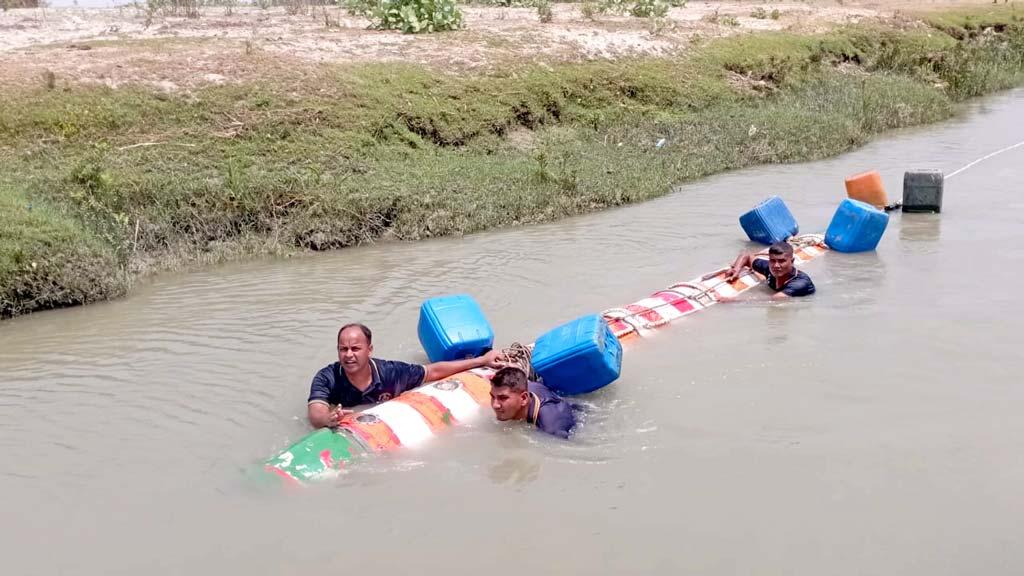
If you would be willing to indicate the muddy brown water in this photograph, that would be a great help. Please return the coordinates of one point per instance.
(873, 428)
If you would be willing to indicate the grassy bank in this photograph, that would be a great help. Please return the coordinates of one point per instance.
(97, 185)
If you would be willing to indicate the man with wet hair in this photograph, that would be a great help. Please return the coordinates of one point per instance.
(782, 275)
(513, 397)
(357, 378)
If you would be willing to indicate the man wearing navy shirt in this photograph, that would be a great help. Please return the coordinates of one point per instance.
(356, 378)
(782, 275)
(513, 397)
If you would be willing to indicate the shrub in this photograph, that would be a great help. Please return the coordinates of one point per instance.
(415, 16)
(649, 9)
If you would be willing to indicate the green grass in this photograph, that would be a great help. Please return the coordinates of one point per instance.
(50, 260)
(398, 151)
(968, 22)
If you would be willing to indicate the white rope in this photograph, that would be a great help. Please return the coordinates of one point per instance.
(986, 157)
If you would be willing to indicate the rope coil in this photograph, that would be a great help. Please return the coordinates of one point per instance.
(519, 356)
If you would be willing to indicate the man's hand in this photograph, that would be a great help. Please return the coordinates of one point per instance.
(494, 359)
(323, 416)
(336, 415)
(742, 261)
(440, 370)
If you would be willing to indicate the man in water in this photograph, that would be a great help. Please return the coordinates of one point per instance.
(782, 275)
(513, 397)
(356, 378)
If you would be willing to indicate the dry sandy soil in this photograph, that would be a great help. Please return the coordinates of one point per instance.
(117, 46)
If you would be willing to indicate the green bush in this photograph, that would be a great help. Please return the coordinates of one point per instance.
(613, 6)
(639, 8)
(649, 9)
(415, 16)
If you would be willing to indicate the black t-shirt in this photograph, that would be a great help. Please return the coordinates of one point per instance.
(799, 285)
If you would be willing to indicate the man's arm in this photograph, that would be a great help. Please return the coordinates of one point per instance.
(744, 260)
(321, 415)
(319, 410)
(441, 370)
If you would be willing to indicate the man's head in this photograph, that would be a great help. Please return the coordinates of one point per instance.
(509, 396)
(780, 259)
(355, 344)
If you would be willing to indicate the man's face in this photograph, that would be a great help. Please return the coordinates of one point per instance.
(353, 350)
(507, 403)
(780, 265)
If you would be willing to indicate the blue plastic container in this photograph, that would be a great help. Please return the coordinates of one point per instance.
(856, 227)
(453, 327)
(577, 357)
(769, 222)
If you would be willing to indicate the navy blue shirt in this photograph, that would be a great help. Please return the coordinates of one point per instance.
(548, 411)
(799, 285)
(390, 378)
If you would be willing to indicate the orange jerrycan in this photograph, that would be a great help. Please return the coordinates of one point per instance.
(867, 187)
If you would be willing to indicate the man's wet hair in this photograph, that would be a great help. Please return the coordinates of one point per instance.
(362, 327)
(513, 378)
(781, 249)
